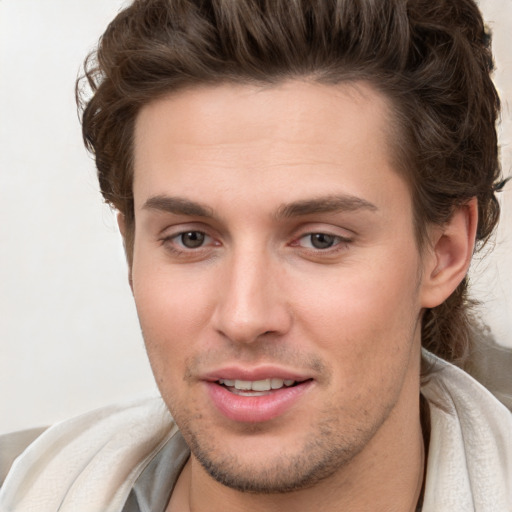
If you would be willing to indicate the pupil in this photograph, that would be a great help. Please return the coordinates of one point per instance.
(322, 241)
(192, 239)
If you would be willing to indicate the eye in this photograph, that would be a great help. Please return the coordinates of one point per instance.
(189, 245)
(320, 241)
(191, 239)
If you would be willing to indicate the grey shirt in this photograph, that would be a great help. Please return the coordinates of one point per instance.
(153, 488)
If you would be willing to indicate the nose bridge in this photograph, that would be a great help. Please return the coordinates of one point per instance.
(250, 304)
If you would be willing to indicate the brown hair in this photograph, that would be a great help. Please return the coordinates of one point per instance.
(431, 58)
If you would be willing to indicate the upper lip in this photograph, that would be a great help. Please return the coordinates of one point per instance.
(254, 374)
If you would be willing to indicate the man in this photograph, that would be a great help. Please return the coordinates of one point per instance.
(300, 188)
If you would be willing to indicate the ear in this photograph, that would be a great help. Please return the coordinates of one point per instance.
(447, 261)
(121, 222)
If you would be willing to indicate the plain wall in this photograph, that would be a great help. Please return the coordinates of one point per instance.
(69, 336)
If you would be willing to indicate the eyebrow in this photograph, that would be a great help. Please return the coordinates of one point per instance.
(178, 206)
(326, 204)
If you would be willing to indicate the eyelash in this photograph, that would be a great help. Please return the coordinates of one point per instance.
(339, 243)
(174, 243)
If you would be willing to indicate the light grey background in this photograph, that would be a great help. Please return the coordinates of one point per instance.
(69, 336)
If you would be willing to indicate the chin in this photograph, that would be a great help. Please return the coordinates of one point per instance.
(272, 467)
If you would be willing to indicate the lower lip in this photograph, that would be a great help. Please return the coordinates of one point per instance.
(253, 409)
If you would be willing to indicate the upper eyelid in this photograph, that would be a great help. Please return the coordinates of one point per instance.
(172, 230)
(341, 239)
(331, 230)
(172, 236)
(328, 233)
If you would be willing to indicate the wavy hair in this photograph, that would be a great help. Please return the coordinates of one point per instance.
(431, 58)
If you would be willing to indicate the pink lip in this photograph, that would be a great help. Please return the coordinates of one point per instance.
(254, 409)
(259, 373)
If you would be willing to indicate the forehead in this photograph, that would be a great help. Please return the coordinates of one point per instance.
(272, 138)
(295, 109)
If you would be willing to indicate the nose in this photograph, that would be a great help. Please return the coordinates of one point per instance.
(251, 303)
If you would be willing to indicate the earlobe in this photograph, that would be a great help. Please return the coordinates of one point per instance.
(450, 254)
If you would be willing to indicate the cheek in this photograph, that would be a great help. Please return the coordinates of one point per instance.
(365, 317)
(172, 312)
(168, 298)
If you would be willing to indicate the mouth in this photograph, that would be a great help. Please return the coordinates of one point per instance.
(258, 399)
(261, 387)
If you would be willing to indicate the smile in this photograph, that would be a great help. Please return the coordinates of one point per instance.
(255, 387)
(258, 400)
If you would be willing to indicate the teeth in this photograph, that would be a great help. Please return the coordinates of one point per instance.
(257, 385)
(245, 385)
(276, 383)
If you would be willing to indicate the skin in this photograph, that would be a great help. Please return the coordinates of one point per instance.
(269, 167)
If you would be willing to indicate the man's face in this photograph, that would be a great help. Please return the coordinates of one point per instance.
(276, 277)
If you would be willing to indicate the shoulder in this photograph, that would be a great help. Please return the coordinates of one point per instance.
(491, 364)
(451, 386)
(93, 458)
(455, 396)
(12, 445)
(470, 452)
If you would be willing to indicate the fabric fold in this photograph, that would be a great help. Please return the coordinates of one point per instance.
(470, 454)
(89, 463)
